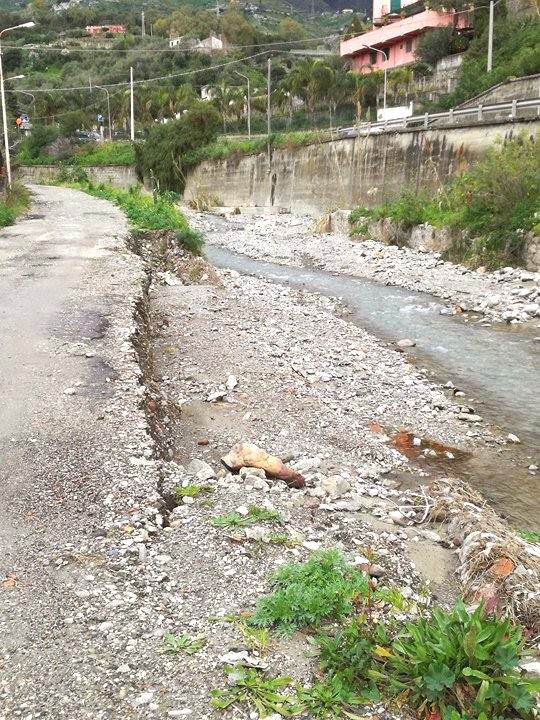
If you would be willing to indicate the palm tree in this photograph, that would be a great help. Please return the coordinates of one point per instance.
(223, 96)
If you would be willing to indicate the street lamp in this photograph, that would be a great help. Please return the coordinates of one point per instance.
(3, 97)
(248, 102)
(108, 108)
(385, 56)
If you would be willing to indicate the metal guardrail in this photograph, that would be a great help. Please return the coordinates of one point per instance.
(479, 113)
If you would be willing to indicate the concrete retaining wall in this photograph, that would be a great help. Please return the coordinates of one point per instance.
(522, 88)
(366, 170)
(120, 176)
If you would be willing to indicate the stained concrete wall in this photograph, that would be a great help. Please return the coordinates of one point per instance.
(120, 176)
(366, 170)
(522, 88)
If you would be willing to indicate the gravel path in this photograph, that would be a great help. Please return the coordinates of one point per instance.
(511, 295)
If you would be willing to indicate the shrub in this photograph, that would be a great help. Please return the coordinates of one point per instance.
(167, 153)
(434, 45)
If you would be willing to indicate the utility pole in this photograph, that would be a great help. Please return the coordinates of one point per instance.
(132, 106)
(246, 78)
(268, 105)
(490, 36)
(143, 28)
(7, 159)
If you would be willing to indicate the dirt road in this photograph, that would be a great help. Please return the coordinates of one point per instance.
(66, 289)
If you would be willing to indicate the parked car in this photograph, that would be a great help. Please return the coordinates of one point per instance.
(83, 136)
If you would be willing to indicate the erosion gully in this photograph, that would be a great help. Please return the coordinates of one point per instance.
(498, 367)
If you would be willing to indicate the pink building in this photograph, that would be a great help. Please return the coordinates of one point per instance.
(104, 29)
(396, 30)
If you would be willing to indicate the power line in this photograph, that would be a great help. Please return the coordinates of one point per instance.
(152, 79)
(36, 48)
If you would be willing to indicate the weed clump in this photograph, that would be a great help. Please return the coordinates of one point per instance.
(305, 594)
(254, 515)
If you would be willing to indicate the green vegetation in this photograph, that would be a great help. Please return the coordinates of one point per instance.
(13, 203)
(463, 666)
(38, 149)
(449, 665)
(165, 156)
(254, 515)
(143, 211)
(495, 203)
(260, 693)
(516, 52)
(176, 644)
(113, 153)
(193, 491)
(304, 594)
(529, 535)
(229, 147)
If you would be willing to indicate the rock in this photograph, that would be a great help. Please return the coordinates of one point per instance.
(245, 471)
(244, 658)
(513, 438)
(469, 417)
(249, 455)
(69, 391)
(430, 535)
(335, 485)
(502, 567)
(531, 668)
(231, 383)
(397, 517)
(217, 395)
(405, 343)
(201, 470)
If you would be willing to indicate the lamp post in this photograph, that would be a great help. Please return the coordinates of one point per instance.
(3, 97)
(248, 102)
(100, 87)
(385, 56)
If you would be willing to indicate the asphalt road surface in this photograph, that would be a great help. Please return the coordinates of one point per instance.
(64, 278)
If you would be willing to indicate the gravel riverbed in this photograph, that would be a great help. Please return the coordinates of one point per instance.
(511, 294)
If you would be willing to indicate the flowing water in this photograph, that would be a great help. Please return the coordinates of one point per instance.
(498, 367)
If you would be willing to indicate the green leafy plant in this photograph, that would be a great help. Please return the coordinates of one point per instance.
(192, 490)
(529, 535)
(329, 699)
(325, 587)
(254, 515)
(458, 662)
(457, 665)
(261, 693)
(183, 643)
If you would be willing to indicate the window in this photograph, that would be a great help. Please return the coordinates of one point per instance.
(408, 46)
(386, 51)
(373, 57)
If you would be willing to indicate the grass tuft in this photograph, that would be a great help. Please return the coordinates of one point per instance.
(254, 515)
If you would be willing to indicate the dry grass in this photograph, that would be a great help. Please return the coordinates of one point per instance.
(494, 562)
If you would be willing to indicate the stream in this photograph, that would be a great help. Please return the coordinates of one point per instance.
(498, 367)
